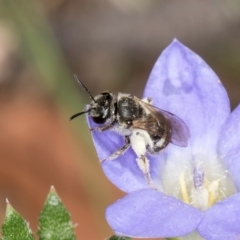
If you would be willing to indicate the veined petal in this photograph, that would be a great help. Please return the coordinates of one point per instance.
(182, 83)
(229, 139)
(149, 213)
(229, 145)
(222, 221)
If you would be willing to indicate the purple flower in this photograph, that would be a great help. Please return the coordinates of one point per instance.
(197, 186)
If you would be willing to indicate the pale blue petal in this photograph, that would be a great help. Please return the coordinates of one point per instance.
(229, 146)
(222, 221)
(149, 213)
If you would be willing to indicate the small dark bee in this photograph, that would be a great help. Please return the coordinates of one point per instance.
(147, 129)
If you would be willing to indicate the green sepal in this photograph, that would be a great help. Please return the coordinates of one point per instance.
(114, 237)
(54, 220)
(15, 227)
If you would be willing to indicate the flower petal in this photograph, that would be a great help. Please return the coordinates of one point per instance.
(229, 145)
(150, 213)
(182, 83)
(122, 171)
(222, 221)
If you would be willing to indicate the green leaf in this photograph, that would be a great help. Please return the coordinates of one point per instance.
(15, 227)
(55, 221)
(118, 238)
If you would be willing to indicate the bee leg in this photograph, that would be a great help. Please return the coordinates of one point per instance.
(103, 128)
(139, 141)
(120, 151)
(143, 164)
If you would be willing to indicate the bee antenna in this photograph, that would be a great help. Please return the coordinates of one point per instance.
(80, 113)
(82, 85)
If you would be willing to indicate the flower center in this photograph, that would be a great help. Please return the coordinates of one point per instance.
(198, 183)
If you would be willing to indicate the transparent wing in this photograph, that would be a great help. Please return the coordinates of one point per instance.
(179, 130)
(156, 126)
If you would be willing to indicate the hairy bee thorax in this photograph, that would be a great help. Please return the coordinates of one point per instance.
(129, 110)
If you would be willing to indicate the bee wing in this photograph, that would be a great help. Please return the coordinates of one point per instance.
(153, 125)
(180, 131)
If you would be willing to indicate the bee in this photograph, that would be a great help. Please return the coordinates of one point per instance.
(145, 128)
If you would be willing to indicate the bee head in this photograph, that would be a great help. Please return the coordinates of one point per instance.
(99, 109)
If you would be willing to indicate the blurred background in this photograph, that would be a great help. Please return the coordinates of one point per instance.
(111, 45)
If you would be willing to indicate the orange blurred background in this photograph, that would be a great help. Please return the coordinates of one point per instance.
(111, 45)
